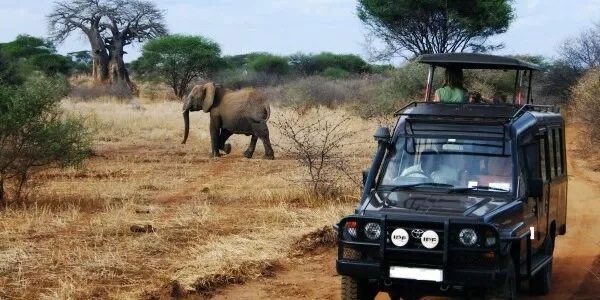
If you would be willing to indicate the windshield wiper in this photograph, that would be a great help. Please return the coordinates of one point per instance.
(410, 186)
(477, 187)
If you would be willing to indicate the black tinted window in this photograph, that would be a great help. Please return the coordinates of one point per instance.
(543, 155)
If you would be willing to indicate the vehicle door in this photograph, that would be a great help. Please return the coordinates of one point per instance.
(530, 157)
(543, 202)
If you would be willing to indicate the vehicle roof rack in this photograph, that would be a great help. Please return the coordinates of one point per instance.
(470, 113)
(475, 61)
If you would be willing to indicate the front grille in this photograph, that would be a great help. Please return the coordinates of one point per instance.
(414, 252)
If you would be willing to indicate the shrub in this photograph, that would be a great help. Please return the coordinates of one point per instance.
(336, 73)
(269, 64)
(586, 106)
(317, 139)
(35, 134)
(349, 62)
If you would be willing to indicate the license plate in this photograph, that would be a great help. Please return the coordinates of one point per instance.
(417, 273)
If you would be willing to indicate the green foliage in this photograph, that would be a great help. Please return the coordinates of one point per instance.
(28, 54)
(304, 64)
(420, 27)
(269, 64)
(9, 72)
(349, 62)
(82, 61)
(178, 59)
(380, 69)
(336, 73)
(35, 133)
(241, 61)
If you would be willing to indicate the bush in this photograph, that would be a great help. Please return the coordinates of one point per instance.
(35, 134)
(336, 73)
(269, 64)
(586, 106)
(317, 140)
(349, 62)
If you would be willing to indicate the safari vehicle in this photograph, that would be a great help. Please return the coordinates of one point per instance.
(462, 199)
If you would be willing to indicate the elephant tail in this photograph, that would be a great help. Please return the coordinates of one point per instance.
(186, 120)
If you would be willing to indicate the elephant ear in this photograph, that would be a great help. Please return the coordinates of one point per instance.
(209, 96)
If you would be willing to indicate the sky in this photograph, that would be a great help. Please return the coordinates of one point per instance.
(310, 26)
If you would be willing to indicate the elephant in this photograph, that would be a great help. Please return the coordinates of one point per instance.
(245, 111)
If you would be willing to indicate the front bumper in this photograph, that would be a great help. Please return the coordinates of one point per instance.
(458, 277)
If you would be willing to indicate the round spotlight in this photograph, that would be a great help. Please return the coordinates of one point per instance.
(372, 231)
(467, 237)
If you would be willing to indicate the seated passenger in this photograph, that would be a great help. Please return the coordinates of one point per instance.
(453, 90)
(475, 97)
(427, 165)
(451, 170)
(499, 173)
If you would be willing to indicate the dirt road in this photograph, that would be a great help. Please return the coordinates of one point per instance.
(576, 261)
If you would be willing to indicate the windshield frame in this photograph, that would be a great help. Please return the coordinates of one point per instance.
(399, 134)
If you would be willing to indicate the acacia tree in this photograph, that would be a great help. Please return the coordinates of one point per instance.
(109, 25)
(178, 59)
(582, 52)
(414, 27)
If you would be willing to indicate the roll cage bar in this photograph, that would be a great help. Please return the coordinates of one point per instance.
(524, 70)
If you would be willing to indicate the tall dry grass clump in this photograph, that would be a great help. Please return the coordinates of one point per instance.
(586, 106)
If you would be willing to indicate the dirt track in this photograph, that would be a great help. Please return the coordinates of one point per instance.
(576, 257)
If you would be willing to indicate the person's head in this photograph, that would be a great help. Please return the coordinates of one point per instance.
(475, 97)
(453, 78)
(429, 160)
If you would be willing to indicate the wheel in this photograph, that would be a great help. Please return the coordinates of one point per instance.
(416, 172)
(357, 289)
(507, 289)
(541, 282)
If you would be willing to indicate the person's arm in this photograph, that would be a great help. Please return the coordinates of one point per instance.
(436, 97)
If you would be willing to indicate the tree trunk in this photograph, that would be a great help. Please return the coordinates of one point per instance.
(119, 76)
(99, 56)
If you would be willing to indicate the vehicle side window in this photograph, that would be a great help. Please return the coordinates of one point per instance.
(558, 147)
(544, 170)
(551, 153)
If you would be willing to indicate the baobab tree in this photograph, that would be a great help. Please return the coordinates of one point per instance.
(109, 25)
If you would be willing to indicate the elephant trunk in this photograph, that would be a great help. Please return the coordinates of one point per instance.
(186, 120)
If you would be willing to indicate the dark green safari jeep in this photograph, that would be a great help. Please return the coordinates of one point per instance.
(461, 199)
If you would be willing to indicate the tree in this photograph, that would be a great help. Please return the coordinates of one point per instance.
(179, 59)
(109, 25)
(82, 61)
(270, 64)
(414, 27)
(34, 133)
(30, 53)
(583, 51)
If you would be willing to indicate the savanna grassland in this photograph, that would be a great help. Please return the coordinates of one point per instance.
(213, 222)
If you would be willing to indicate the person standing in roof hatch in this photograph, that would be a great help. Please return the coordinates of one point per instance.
(453, 90)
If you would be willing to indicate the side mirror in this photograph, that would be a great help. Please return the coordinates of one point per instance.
(365, 174)
(536, 187)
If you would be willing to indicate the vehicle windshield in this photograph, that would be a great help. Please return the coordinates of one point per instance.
(449, 163)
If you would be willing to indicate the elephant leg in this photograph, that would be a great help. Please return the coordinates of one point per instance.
(225, 134)
(262, 132)
(214, 137)
(250, 151)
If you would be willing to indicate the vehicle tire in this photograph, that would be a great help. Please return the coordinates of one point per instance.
(541, 282)
(507, 289)
(357, 289)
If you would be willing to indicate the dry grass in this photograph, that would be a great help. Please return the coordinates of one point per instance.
(216, 222)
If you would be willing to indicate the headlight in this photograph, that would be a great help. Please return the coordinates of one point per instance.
(372, 231)
(467, 237)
